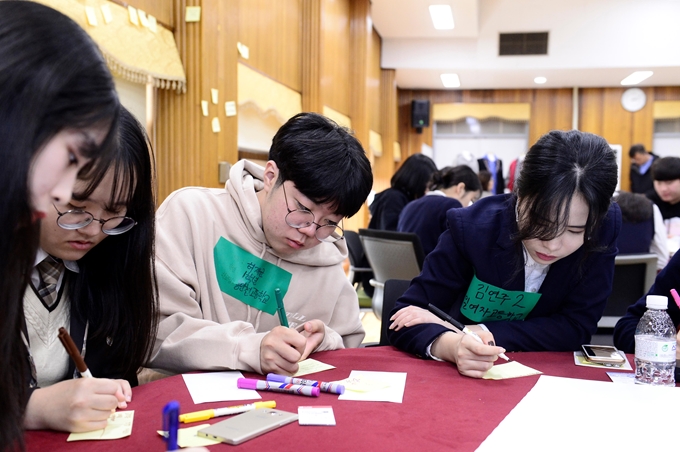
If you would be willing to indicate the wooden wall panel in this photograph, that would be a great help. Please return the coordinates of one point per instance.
(335, 72)
(373, 88)
(384, 167)
(271, 30)
(312, 56)
(551, 109)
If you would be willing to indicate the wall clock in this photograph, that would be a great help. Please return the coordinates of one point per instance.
(633, 99)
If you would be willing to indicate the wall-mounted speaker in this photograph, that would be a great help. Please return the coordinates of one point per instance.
(420, 113)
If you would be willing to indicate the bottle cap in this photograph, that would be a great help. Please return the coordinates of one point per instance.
(657, 302)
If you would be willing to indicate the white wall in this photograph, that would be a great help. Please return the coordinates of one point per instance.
(446, 150)
(666, 146)
(133, 97)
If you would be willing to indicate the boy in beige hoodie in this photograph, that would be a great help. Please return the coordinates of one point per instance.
(222, 253)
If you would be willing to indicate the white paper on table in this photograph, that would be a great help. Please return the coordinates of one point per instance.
(217, 387)
(566, 414)
(390, 389)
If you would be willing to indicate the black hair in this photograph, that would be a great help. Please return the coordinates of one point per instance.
(635, 207)
(115, 289)
(413, 176)
(636, 149)
(666, 168)
(52, 78)
(484, 179)
(324, 161)
(559, 166)
(449, 176)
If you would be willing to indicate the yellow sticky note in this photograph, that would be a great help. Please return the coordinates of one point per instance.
(243, 50)
(513, 369)
(192, 14)
(230, 108)
(214, 95)
(216, 125)
(362, 384)
(204, 107)
(142, 18)
(119, 426)
(188, 437)
(132, 12)
(91, 16)
(153, 24)
(310, 366)
(106, 12)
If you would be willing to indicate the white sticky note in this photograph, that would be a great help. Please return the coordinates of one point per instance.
(153, 24)
(132, 12)
(217, 387)
(214, 95)
(204, 107)
(106, 12)
(142, 18)
(91, 15)
(316, 415)
(230, 108)
(192, 14)
(216, 125)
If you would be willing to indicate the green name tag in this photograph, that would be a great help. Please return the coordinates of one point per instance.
(486, 303)
(248, 278)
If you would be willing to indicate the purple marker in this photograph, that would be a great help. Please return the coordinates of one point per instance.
(334, 388)
(260, 385)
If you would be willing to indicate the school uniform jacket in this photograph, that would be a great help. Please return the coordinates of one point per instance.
(669, 278)
(479, 239)
(426, 217)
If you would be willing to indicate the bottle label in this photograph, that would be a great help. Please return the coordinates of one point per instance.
(659, 350)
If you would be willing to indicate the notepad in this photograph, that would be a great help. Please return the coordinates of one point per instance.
(310, 366)
(119, 426)
(513, 369)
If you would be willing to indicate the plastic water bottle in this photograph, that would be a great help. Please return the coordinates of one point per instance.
(655, 345)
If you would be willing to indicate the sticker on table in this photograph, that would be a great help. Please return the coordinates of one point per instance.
(316, 415)
(484, 302)
(512, 369)
(248, 278)
(119, 426)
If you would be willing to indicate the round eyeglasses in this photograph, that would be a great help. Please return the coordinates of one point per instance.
(300, 219)
(76, 219)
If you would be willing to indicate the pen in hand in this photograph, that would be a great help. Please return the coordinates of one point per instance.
(280, 309)
(447, 318)
(72, 350)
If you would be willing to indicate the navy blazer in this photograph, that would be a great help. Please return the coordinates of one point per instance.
(479, 239)
(426, 217)
(669, 278)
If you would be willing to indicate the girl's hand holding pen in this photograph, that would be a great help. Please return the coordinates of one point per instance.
(472, 358)
(79, 405)
(413, 315)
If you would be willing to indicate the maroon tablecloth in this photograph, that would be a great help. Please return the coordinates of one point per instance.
(441, 409)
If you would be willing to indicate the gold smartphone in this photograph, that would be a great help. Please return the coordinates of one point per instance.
(603, 354)
(248, 425)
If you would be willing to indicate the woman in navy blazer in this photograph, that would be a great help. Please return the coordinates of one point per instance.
(450, 188)
(555, 236)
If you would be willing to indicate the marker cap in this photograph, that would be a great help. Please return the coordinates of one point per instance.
(275, 377)
(246, 383)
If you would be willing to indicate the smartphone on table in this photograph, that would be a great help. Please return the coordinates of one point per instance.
(603, 354)
(248, 425)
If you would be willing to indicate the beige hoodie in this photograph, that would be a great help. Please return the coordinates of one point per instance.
(203, 328)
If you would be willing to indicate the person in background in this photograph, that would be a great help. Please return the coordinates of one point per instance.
(640, 165)
(58, 115)
(642, 229)
(449, 188)
(221, 254)
(666, 193)
(529, 271)
(486, 182)
(669, 278)
(98, 253)
(407, 184)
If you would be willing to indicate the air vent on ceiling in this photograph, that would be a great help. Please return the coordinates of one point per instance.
(523, 44)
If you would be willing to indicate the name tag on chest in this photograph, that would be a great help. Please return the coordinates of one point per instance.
(487, 303)
(246, 277)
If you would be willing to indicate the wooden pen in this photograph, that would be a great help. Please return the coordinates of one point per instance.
(72, 350)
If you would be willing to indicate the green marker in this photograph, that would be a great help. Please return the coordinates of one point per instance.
(280, 309)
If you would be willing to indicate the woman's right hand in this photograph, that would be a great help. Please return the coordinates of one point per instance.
(80, 405)
(472, 358)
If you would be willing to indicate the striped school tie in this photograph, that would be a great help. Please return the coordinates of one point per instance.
(49, 270)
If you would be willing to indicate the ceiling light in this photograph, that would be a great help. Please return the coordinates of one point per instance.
(540, 80)
(636, 77)
(442, 17)
(450, 80)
